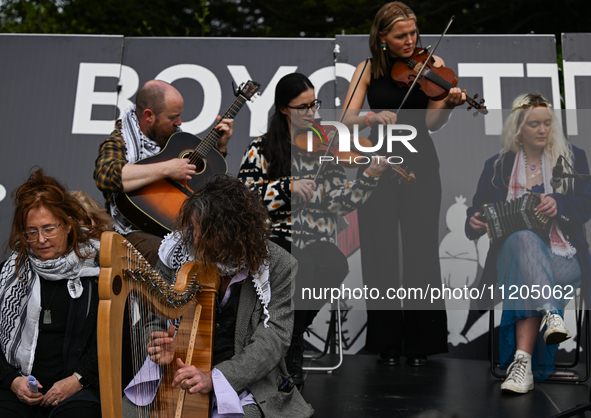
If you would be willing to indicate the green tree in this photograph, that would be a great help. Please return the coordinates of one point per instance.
(304, 18)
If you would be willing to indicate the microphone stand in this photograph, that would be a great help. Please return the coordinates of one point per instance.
(575, 176)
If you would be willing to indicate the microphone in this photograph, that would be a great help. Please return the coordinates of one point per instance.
(557, 172)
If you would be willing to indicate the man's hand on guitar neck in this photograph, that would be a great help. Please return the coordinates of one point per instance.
(134, 176)
(226, 127)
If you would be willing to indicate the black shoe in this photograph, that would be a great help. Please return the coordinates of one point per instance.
(416, 361)
(294, 360)
(388, 359)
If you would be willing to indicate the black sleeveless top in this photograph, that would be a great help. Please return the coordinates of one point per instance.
(384, 94)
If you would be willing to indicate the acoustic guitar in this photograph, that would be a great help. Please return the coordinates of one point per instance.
(153, 208)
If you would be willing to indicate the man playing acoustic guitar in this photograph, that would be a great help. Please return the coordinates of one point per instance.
(143, 131)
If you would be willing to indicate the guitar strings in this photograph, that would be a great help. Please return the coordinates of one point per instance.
(214, 135)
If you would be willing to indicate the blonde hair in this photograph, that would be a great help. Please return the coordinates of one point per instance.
(99, 216)
(557, 143)
(386, 17)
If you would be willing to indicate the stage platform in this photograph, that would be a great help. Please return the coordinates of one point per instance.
(362, 388)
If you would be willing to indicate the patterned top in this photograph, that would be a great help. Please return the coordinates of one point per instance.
(316, 221)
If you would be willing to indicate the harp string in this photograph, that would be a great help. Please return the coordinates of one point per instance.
(145, 285)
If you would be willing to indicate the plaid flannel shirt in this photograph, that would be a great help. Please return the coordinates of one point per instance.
(109, 164)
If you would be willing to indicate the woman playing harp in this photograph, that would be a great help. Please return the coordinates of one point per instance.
(532, 142)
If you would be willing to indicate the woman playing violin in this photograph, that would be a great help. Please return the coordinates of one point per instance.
(303, 210)
(416, 332)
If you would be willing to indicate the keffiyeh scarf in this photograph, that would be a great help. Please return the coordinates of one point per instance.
(137, 147)
(517, 187)
(174, 254)
(20, 298)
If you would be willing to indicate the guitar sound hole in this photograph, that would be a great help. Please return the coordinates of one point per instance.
(186, 153)
(201, 166)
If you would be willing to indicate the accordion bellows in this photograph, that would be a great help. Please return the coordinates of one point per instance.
(504, 218)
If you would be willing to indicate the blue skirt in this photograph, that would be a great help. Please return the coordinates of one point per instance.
(525, 264)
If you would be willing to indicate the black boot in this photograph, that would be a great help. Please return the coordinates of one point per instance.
(294, 359)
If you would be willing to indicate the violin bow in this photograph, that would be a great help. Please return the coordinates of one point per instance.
(425, 66)
(331, 142)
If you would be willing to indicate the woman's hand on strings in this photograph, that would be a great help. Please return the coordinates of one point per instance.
(304, 188)
(161, 346)
(378, 165)
(20, 387)
(548, 205)
(456, 97)
(476, 224)
(192, 379)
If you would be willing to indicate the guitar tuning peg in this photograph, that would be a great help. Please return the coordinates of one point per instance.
(476, 96)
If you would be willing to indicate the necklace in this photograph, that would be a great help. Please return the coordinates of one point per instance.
(47, 311)
(533, 167)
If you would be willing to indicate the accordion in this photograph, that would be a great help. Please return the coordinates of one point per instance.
(504, 218)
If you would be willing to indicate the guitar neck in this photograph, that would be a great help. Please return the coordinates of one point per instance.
(214, 135)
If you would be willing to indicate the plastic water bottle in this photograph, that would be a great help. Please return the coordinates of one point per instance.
(33, 384)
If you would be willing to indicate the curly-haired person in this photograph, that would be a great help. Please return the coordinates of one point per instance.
(226, 224)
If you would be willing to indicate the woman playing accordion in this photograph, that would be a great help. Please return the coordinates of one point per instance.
(558, 257)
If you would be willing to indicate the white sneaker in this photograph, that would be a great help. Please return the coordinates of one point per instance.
(556, 331)
(519, 375)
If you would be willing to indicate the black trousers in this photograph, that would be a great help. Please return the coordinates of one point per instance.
(320, 265)
(12, 407)
(410, 327)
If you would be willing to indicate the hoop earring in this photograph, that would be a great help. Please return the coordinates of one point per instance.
(519, 140)
(384, 46)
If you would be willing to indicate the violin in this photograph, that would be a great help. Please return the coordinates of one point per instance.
(435, 82)
(320, 147)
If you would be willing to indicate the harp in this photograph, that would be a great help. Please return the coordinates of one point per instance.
(125, 272)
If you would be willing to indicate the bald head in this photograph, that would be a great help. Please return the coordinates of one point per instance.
(158, 108)
(154, 95)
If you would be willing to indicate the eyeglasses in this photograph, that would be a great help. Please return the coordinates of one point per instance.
(49, 232)
(303, 110)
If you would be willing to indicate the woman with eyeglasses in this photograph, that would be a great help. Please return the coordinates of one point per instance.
(303, 210)
(49, 301)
